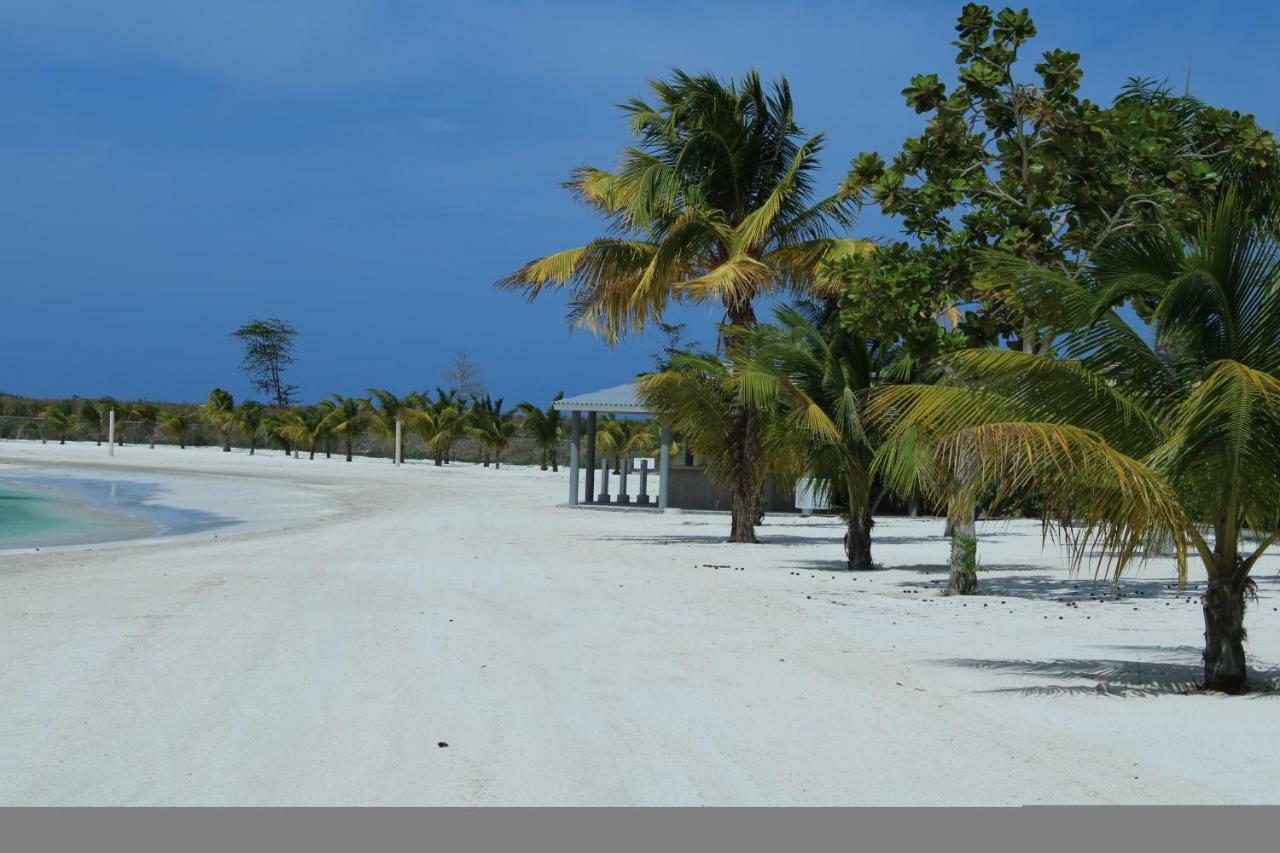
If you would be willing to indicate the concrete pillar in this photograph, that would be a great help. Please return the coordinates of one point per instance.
(664, 468)
(111, 433)
(575, 435)
(590, 496)
(398, 431)
(603, 497)
(623, 464)
(642, 499)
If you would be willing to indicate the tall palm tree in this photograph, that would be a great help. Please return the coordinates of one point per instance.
(92, 416)
(348, 417)
(177, 423)
(148, 415)
(250, 416)
(61, 419)
(1130, 442)
(220, 413)
(543, 426)
(815, 373)
(713, 204)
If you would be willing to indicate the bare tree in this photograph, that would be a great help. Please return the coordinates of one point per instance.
(463, 376)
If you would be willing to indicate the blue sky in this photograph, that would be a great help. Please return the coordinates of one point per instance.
(367, 169)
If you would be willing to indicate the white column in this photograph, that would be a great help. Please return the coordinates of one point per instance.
(397, 453)
(575, 436)
(664, 468)
(111, 433)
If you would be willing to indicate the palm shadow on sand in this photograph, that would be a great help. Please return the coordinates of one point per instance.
(1177, 672)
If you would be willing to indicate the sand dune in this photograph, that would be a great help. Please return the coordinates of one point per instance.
(592, 657)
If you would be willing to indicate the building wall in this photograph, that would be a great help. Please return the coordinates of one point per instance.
(691, 489)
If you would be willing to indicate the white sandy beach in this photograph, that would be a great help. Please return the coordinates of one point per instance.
(578, 656)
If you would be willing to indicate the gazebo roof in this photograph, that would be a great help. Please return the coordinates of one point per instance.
(619, 398)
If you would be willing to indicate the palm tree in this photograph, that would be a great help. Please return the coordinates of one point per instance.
(61, 419)
(349, 417)
(250, 417)
(494, 431)
(383, 417)
(1133, 443)
(713, 204)
(700, 396)
(93, 417)
(177, 423)
(148, 415)
(814, 373)
(220, 413)
(447, 424)
(304, 426)
(543, 426)
(482, 414)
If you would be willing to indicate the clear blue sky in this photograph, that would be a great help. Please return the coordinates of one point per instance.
(367, 169)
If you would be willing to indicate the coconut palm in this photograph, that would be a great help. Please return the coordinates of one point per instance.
(700, 395)
(713, 204)
(494, 429)
(61, 419)
(482, 414)
(448, 423)
(1131, 443)
(348, 417)
(814, 373)
(94, 418)
(148, 416)
(250, 417)
(304, 426)
(220, 413)
(383, 416)
(177, 423)
(543, 426)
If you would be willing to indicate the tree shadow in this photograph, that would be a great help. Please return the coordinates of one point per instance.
(1179, 674)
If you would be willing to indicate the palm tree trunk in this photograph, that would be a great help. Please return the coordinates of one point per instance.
(348, 442)
(226, 442)
(1224, 660)
(858, 539)
(964, 552)
(543, 465)
(555, 461)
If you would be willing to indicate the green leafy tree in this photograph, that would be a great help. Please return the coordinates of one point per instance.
(389, 409)
(268, 353)
(494, 429)
(1032, 171)
(712, 204)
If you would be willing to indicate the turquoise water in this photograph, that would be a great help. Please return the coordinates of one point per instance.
(43, 510)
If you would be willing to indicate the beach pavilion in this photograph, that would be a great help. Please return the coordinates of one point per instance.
(620, 399)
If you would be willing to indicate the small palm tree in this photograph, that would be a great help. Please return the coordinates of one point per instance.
(177, 423)
(698, 395)
(304, 426)
(348, 417)
(814, 374)
(220, 413)
(495, 432)
(543, 426)
(92, 417)
(1129, 443)
(384, 415)
(62, 420)
(148, 416)
(250, 416)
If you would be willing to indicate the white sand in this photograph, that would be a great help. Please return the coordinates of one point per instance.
(588, 657)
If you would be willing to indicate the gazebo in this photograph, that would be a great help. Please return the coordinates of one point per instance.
(620, 399)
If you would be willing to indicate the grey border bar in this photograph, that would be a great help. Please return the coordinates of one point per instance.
(1085, 829)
